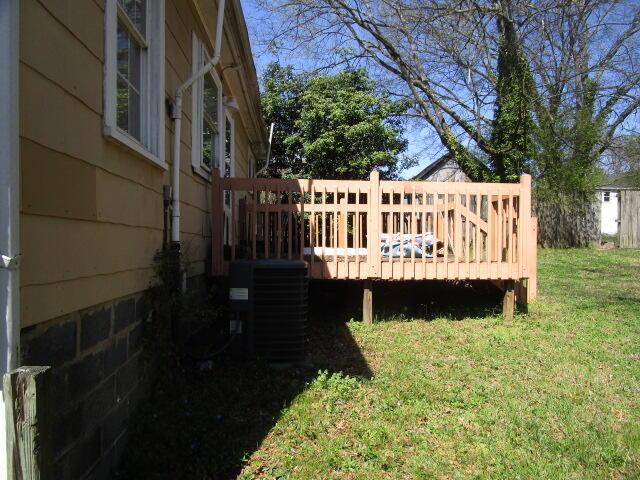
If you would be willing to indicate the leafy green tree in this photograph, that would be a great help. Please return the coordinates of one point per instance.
(622, 160)
(332, 126)
(281, 105)
(468, 68)
(513, 126)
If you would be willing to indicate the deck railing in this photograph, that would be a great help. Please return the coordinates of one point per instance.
(402, 230)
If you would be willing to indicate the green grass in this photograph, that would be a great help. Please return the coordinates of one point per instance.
(606, 238)
(554, 394)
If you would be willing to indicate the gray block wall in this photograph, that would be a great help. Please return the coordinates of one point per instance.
(97, 381)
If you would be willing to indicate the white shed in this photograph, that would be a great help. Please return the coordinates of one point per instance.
(620, 209)
(609, 211)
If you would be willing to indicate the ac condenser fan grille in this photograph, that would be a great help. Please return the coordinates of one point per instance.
(280, 306)
(277, 303)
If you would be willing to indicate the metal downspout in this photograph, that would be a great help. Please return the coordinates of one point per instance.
(177, 119)
(9, 200)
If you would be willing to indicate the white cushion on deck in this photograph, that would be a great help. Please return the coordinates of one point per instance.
(341, 252)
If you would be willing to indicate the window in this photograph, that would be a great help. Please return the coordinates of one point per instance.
(229, 152)
(607, 196)
(207, 110)
(134, 76)
(229, 169)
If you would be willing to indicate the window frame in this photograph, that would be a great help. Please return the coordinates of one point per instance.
(251, 164)
(226, 200)
(152, 110)
(200, 56)
(606, 196)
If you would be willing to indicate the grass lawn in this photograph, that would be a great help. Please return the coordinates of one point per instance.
(553, 394)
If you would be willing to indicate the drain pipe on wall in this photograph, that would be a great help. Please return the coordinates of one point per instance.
(177, 125)
(9, 202)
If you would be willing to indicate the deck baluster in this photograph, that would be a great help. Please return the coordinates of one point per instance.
(254, 221)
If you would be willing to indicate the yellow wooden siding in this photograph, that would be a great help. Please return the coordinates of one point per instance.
(78, 248)
(92, 211)
(46, 178)
(197, 191)
(121, 201)
(84, 19)
(43, 302)
(57, 120)
(242, 150)
(79, 71)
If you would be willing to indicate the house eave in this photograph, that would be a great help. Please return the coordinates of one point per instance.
(251, 90)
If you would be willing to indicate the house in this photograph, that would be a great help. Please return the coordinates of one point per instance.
(444, 169)
(88, 169)
(619, 197)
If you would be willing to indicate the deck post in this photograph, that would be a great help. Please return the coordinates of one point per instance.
(216, 223)
(509, 300)
(524, 230)
(367, 302)
(532, 284)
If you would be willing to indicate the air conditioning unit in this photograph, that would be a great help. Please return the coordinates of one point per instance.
(269, 302)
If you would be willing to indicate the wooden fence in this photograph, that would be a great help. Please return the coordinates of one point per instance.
(629, 219)
(396, 230)
(568, 222)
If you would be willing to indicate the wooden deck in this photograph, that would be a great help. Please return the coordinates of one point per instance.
(481, 230)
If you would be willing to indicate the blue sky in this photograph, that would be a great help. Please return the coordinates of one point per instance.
(421, 146)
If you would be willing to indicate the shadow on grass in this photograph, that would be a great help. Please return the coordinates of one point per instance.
(204, 423)
(410, 300)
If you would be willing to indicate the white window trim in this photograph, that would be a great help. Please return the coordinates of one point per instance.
(197, 107)
(152, 85)
(251, 164)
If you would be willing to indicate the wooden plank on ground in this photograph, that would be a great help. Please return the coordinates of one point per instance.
(26, 392)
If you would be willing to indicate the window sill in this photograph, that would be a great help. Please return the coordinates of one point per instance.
(201, 172)
(118, 136)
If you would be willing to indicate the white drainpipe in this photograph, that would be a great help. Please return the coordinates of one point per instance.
(9, 202)
(177, 124)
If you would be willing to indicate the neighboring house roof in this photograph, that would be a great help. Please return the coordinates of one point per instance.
(432, 167)
(625, 181)
(444, 169)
